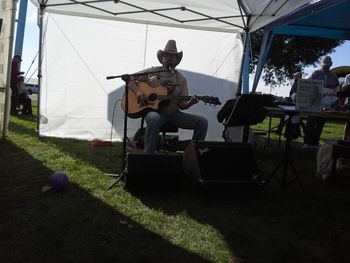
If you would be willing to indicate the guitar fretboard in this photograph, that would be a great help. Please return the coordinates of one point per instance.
(174, 97)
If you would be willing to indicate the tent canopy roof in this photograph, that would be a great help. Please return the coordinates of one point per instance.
(216, 15)
(327, 19)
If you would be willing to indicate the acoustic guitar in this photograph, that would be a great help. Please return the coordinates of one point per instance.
(157, 98)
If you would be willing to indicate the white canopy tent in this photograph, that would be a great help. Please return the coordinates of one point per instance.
(85, 41)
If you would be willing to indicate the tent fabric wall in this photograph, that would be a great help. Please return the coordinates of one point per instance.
(78, 53)
(8, 10)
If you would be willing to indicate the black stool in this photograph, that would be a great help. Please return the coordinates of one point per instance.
(166, 127)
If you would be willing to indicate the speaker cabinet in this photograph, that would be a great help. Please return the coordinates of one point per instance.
(210, 163)
(153, 170)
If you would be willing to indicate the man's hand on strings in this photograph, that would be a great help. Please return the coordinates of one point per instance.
(193, 100)
(141, 98)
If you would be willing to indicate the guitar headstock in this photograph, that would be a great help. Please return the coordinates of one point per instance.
(210, 100)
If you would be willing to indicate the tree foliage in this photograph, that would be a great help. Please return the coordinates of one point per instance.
(289, 54)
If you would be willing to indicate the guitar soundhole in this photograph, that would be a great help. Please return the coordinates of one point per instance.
(152, 97)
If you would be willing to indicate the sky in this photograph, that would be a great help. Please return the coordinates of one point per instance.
(341, 56)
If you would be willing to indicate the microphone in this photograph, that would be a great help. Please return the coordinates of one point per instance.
(171, 69)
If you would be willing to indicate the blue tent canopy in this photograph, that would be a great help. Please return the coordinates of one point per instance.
(327, 19)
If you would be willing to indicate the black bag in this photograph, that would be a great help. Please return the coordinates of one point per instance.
(295, 131)
(139, 138)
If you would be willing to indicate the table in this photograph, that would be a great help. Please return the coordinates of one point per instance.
(331, 115)
(338, 150)
(328, 115)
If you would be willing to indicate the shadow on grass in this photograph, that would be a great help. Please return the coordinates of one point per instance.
(269, 226)
(23, 129)
(68, 226)
(272, 225)
(104, 158)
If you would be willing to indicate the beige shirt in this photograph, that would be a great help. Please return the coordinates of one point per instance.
(160, 79)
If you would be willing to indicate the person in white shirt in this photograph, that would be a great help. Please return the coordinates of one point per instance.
(314, 125)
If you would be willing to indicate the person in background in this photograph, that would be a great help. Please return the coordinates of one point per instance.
(15, 72)
(324, 160)
(167, 74)
(23, 97)
(314, 125)
(345, 94)
(293, 90)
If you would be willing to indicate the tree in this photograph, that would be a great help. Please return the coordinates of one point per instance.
(289, 54)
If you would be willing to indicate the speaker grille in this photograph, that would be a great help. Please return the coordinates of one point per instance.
(220, 162)
(153, 169)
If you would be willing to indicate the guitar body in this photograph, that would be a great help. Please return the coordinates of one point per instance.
(157, 98)
(135, 110)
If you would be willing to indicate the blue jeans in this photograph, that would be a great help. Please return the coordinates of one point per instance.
(187, 121)
(313, 130)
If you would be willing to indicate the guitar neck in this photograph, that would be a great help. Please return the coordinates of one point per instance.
(176, 98)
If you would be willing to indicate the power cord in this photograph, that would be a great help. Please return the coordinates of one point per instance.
(112, 125)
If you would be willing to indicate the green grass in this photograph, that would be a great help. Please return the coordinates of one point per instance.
(88, 223)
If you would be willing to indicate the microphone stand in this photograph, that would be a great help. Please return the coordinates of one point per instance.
(126, 78)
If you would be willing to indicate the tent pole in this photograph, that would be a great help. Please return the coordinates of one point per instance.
(243, 70)
(21, 24)
(41, 17)
(8, 77)
(264, 51)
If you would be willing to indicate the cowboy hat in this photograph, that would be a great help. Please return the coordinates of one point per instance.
(170, 47)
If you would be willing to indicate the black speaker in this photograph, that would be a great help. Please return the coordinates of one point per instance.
(221, 163)
(153, 170)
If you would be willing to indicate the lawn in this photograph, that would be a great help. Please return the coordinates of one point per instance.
(89, 223)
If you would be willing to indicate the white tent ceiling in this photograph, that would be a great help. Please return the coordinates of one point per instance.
(216, 15)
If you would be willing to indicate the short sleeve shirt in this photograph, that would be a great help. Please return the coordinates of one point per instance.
(331, 79)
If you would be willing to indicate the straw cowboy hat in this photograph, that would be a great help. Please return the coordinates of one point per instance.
(170, 48)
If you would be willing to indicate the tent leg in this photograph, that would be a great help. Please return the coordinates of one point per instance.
(41, 18)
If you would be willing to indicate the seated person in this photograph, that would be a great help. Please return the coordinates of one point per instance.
(172, 113)
(23, 97)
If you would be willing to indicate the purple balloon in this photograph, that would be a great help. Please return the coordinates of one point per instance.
(58, 180)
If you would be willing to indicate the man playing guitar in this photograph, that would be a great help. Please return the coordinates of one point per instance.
(176, 84)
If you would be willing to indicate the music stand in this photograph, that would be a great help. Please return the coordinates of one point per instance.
(289, 112)
(248, 110)
(126, 78)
